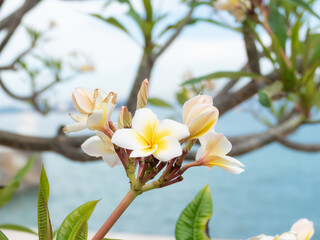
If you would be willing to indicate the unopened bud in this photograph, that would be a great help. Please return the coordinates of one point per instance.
(143, 94)
(125, 118)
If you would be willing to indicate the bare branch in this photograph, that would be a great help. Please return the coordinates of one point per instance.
(298, 146)
(11, 94)
(175, 34)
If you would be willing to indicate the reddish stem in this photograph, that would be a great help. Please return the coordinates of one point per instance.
(128, 199)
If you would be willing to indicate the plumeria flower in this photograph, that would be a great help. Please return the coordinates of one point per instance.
(101, 146)
(199, 115)
(95, 108)
(303, 228)
(148, 136)
(262, 237)
(236, 8)
(213, 152)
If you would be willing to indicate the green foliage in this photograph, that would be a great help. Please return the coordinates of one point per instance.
(304, 5)
(18, 228)
(193, 220)
(216, 75)
(159, 102)
(75, 225)
(44, 223)
(113, 21)
(277, 23)
(2, 236)
(264, 99)
(7, 192)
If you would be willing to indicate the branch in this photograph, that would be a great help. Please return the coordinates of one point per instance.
(298, 146)
(175, 34)
(13, 20)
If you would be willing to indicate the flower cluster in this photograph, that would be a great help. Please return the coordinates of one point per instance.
(145, 141)
(301, 230)
(237, 8)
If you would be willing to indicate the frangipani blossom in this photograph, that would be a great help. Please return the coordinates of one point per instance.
(262, 237)
(148, 136)
(101, 146)
(199, 115)
(213, 152)
(286, 236)
(95, 108)
(236, 8)
(303, 228)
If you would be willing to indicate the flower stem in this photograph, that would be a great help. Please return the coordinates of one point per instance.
(128, 199)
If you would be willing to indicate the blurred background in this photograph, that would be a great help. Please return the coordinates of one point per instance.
(48, 48)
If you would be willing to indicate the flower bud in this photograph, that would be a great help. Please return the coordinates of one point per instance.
(303, 228)
(82, 99)
(199, 115)
(125, 118)
(143, 94)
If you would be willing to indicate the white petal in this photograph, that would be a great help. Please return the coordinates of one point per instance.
(129, 139)
(216, 144)
(79, 118)
(98, 97)
(193, 101)
(111, 159)
(144, 152)
(199, 109)
(303, 228)
(229, 164)
(96, 120)
(202, 124)
(75, 127)
(145, 122)
(82, 100)
(168, 148)
(200, 153)
(172, 128)
(95, 147)
(287, 236)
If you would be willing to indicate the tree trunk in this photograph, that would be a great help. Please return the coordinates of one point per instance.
(144, 71)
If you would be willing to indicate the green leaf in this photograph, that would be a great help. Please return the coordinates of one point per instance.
(273, 89)
(223, 75)
(17, 228)
(44, 223)
(159, 103)
(192, 222)
(7, 192)
(75, 225)
(264, 99)
(306, 6)
(277, 23)
(2, 236)
(113, 21)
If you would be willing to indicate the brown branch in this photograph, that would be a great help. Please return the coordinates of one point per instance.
(13, 20)
(298, 146)
(175, 34)
(11, 94)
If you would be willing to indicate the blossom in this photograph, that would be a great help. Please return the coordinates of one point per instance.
(95, 108)
(213, 152)
(262, 237)
(199, 115)
(236, 8)
(101, 146)
(148, 136)
(303, 228)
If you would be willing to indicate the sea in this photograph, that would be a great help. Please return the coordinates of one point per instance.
(279, 185)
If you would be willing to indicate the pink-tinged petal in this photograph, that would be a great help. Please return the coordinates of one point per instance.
(129, 139)
(98, 97)
(95, 147)
(217, 144)
(168, 148)
(74, 127)
(303, 228)
(200, 153)
(145, 122)
(79, 118)
(202, 124)
(225, 162)
(82, 100)
(144, 152)
(192, 102)
(96, 120)
(172, 128)
(199, 109)
(111, 159)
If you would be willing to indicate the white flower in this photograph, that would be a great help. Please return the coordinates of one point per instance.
(213, 152)
(101, 146)
(303, 228)
(148, 136)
